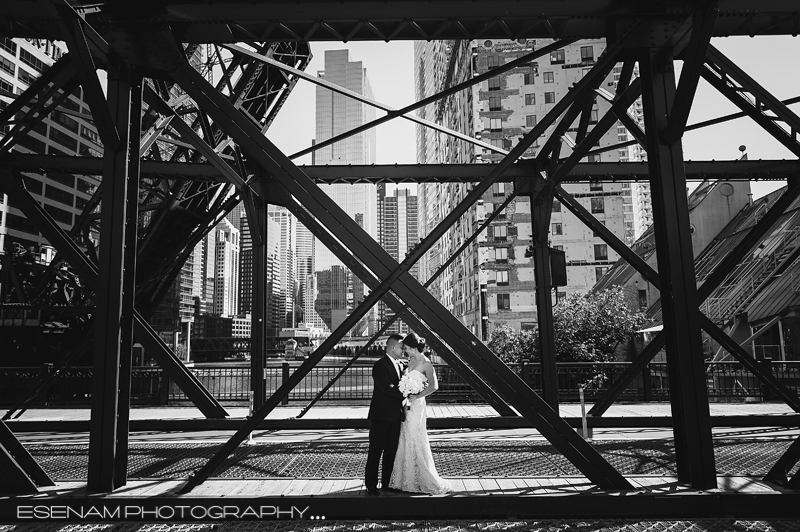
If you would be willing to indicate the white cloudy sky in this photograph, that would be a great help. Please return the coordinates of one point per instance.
(390, 68)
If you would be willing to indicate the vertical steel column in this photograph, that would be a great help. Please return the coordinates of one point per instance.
(258, 345)
(104, 426)
(541, 207)
(691, 419)
(129, 282)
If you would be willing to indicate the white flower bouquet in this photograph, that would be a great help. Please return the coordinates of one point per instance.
(412, 383)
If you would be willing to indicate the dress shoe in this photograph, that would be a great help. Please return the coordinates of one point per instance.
(373, 492)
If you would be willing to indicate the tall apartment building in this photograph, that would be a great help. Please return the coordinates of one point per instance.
(507, 106)
(306, 244)
(68, 130)
(439, 65)
(287, 274)
(246, 264)
(226, 269)
(398, 232)
(336, 114)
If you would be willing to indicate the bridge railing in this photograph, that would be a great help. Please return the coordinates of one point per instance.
(726, 381)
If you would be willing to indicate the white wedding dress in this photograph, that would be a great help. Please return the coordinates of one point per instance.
(414, 470)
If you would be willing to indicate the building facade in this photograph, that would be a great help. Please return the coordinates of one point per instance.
(68, 130)
(226, 269)
(438, 65)
(337, 114)
(398, 231)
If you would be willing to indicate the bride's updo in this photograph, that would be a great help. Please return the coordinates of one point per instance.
(412, 340)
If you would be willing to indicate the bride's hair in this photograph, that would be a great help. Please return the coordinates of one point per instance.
(412, 340)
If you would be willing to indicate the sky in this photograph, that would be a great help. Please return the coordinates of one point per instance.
(390, 67)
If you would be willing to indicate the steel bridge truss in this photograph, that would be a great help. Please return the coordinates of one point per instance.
(181, 150)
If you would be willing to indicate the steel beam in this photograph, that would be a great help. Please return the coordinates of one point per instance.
(108, 386)
(375, 258)
(787, 395)
(749, 96)
(693, 446)
(73, 33)
(87, 271)
(736, 170)
(21, 473)
(259, 311)
(702, 27)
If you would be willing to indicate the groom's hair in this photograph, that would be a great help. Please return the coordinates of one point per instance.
(393, 339)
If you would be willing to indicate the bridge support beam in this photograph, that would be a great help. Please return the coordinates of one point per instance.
(692, 426)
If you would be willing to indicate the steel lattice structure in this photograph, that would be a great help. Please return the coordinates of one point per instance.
(175, 145)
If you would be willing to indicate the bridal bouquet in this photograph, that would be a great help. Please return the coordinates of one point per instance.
(412, 383)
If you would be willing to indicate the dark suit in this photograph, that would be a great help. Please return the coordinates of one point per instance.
(385, 413)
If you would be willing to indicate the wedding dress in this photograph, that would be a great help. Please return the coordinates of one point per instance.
(414, 470)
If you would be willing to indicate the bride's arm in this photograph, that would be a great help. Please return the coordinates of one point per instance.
(433, 382)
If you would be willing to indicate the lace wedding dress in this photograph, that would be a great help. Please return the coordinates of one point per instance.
(414, 470)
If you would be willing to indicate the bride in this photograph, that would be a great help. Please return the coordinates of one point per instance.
(414, 469)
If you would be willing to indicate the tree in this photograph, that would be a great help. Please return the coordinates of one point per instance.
(513, 346)
(588, 328)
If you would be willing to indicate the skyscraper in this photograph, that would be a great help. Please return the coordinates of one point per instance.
(285, 305)
(397, 225)
(439, 65)
(337, 114)
(226, 269)
(64, 132)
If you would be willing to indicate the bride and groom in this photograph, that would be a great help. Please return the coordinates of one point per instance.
(398, 420)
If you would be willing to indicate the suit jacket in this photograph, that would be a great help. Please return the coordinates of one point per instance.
(387, 400)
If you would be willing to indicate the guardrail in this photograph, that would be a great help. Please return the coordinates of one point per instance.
(727, 381)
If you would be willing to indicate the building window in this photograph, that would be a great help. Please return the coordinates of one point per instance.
(642, 298)
(556, 206)
(25, 77)
(499, 189)
(601, 252)
(593, 158)
(593, 117)
(6, 65)
(548, 77)
(492, 61)
(595, 234)
(530, 99)
(595, 186)
(530, 121)
(8, 45)
(500, 233)
(501, 255)
(556, 229)
(494, 83)
(549, 97)
(598, 205)
(494, 103)
(558, 248)
(529, 78)
(587, 53)
(29, 59)
(495, 124)
(503, 301)
(599, 272)
(502, 278)
(557, 57)
(61, 196)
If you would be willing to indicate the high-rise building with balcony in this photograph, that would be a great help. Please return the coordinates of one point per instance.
(439, 65)
(226, 269)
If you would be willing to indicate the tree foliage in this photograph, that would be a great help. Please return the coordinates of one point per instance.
(588, 328)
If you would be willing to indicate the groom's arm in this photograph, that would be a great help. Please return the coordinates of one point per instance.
(383, 381)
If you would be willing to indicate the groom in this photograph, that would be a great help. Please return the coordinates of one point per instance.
(385, 415)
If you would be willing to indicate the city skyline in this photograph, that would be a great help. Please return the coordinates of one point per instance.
(392, 81)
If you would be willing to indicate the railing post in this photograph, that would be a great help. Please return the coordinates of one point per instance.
(284, 378)
(526, 372)
(765, 393)
(47, 369)
(163, 387)
(648, 383)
